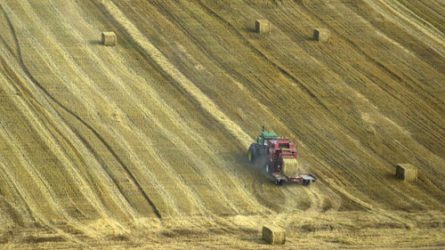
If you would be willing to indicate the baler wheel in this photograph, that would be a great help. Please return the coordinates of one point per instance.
(279, 182)
(267, 168)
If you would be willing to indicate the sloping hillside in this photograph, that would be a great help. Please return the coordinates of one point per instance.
(144, 143)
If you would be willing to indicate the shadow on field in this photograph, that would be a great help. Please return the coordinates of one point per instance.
(95, 42)
(255, 238)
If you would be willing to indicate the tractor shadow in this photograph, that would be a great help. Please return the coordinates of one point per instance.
(253, 169)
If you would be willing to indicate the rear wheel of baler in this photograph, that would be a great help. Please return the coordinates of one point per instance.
(279, 182)
(269, 169)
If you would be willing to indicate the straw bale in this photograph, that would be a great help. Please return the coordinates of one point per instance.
(262, 26)
(406, 172)
(321, 35)
(109, 38)
(274, 235)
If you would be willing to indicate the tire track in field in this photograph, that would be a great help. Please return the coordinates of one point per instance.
(10, 180)
(353, 93)
(290, 202)
(128, 145)
(254, 189)
(212, 180)
(400, 76)
(316, 198)
(151, 51)
(351, 130)
(235, 77)
(30, 166)
(396, 76)
(58, 124)
(402, 34)
(432, 9)
(185, 83)
(164, 191)
(199, 165)
(57, 152)
(71, 113)
(415, 120)
(119, 139)
(400, 193)
(373, 60)
(101, 138)
(411, 82)
(313, 195)
(245, 195)
(274, 63)
(414, 20)
(29, 172)
(289, 75)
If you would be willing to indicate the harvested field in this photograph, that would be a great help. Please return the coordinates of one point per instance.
(144, 144)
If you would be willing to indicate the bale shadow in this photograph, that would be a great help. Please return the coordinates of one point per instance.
(310, 39)
(118, 237)
(391, 177)
(251, 29)
(255, 239)
(39, 239)
(95, 42)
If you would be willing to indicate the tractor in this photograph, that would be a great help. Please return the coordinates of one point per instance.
(277, 156)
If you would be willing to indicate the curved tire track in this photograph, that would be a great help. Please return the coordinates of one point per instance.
(71, 113)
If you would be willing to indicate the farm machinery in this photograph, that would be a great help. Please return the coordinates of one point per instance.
(277, 156)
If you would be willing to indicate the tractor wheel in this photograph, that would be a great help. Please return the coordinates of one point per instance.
(306, 182)
(251, 153)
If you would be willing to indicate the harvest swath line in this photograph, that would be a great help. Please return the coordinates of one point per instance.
(90, 134)
(36, 82)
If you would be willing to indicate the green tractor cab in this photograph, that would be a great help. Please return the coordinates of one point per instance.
(266, 135)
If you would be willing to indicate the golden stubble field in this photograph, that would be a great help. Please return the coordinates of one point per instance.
(143, 145)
